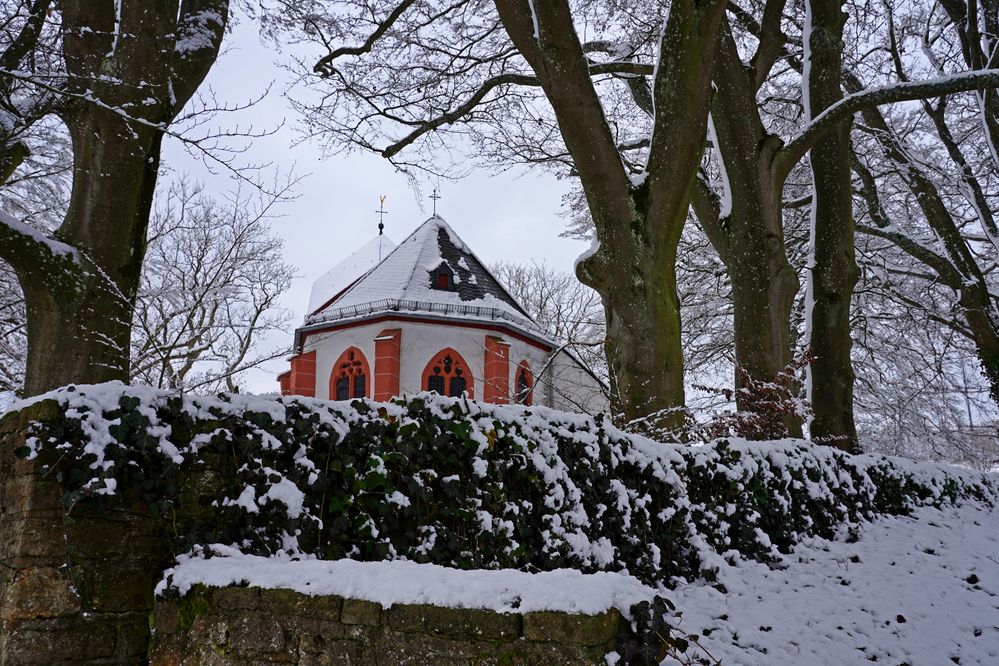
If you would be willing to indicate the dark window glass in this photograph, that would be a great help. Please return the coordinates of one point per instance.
(435, 383)
(359, 387)
(343, 388)
(457, 387)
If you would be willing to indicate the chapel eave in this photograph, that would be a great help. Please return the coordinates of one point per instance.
(448, 314)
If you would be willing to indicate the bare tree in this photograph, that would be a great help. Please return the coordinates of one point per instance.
(570, 312)
(123, 74)
(209, 291)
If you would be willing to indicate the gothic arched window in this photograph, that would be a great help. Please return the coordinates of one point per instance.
(524, 383)
(448, 374)
(349, 378)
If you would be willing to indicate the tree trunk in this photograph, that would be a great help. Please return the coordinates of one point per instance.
(637, 283)
(833, 270)
(638, 224)
(130, 69)
(79, 329)
(749, 238)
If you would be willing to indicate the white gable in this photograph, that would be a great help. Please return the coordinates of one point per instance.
(347, 271)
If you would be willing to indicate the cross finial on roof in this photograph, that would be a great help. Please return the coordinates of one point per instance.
(435, 197)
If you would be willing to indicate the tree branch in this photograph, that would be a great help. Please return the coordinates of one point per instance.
(796, 148)
(324, 66)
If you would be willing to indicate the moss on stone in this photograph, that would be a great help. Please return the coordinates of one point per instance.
(195, 604)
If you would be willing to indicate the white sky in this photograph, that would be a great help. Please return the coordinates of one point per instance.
(509, 216)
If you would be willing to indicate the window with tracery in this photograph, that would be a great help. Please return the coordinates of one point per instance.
(448, 374)
(349, 378)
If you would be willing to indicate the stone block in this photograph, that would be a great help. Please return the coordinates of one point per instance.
(330, 653)
(356, 611)
(39, 593)
(256, 635)
(463, 623)
(587, 630)
(237, 598)
(121, 587)
(294, 603)
(52, 641)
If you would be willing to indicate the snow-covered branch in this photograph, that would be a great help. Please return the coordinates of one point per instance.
(800, 144)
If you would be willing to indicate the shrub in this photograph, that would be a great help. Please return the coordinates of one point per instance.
(464, 484)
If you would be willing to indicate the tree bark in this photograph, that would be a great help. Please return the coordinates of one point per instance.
(129, 73)
(80, 330)
(833, 268)
(637, 224)
(750, 238)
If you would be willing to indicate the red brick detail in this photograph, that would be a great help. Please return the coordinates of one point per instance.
(303, 375)
(351, 364)
(448, 364)
(284, 379)
(496, 387)
(523, 384)
(388, 350)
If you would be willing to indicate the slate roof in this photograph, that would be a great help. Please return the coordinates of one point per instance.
(403, 281)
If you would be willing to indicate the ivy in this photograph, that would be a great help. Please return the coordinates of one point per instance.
(463, 484)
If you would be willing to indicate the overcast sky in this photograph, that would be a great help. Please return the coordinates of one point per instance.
(507, 216)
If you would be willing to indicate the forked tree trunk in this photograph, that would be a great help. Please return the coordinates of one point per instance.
(750, 238)
(79, 330)
(130, 69)
(833, 269)
(638, 225)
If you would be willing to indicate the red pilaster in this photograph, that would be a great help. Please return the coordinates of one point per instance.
(303, 375)
(497, 371)
(285, 380)
(388, 349)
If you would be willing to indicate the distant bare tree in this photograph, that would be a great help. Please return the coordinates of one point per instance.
(209, 291)
(569, 311)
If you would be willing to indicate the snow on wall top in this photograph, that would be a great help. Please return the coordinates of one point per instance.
(406, 275)
(404, 582)
(343, 274)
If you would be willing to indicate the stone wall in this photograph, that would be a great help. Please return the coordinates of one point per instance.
(75, 586)
(240, 625)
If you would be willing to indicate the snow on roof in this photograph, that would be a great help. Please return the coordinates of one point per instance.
(404, 277)
(343, 274)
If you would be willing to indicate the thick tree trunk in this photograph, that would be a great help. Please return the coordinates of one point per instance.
(637, 283)
(833, 270)
(130, 69)
(750, 237)
(638, 224)
(981, 318)
(763, 282)
(79, 329)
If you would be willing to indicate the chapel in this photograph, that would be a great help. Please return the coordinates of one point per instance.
(427, 315)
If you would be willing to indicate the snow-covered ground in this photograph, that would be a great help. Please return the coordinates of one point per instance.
(921, 590)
